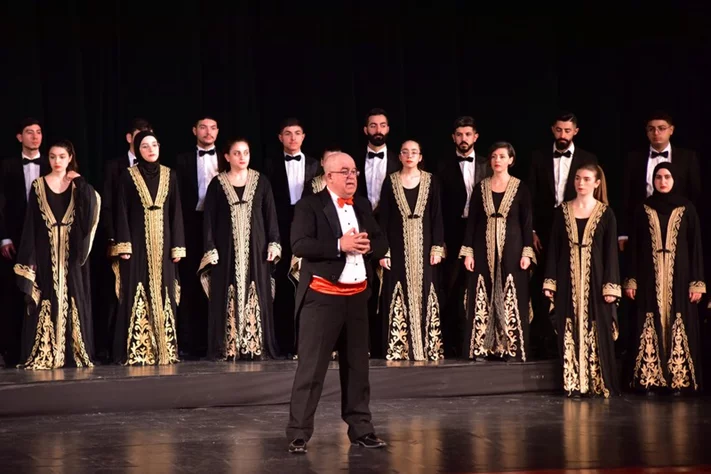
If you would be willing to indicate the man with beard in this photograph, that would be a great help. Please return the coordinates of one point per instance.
(16, 176)
(195, 170)
(550, 186)
(458, 177)
(378, 162)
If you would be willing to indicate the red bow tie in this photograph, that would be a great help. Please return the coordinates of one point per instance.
(342, 202)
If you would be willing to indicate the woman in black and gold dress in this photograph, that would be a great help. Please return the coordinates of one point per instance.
(666, 279)
(498, 251)
(60, 224)
(582, 280)
(411, 218)
(241, 235)
(150, 242)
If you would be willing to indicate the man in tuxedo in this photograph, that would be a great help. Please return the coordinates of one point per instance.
(288, 174)
(336, 236)
(195, 169)
(107, 301)
(639, 166)
(16, 176)
(458, 176)
(551, 182)
(378, 161)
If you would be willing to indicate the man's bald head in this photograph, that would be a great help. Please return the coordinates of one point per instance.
(339, 169)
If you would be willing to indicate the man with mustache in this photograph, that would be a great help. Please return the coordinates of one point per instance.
(551, 183)
(195, 170)
(458, 176)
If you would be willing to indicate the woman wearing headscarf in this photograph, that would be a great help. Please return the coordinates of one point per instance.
(666, 281)
(150, 242)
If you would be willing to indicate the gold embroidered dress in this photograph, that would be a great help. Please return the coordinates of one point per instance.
(412, 221)
(665, 265)
(582, 268)
(51, 270)
(240, 227)
(149, 228)
(497, 304)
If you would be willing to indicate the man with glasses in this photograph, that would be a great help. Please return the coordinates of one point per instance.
(336, 236)
(639, 166)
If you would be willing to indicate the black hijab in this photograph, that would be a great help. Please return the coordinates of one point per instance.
(149, 171)
(665, 203)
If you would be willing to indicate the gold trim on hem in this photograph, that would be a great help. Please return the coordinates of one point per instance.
(178, 252)
(611, 289)
(121, 248)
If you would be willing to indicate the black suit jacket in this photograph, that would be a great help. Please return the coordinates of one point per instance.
(112, 172)
(687, 181)
(541, 183)
(13, 196)
(454, 198)
(360, 159)
(276, 173)
(314, 238)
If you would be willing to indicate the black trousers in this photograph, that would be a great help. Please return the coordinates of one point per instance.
(325, 321)
(12, 314)
(193, 307)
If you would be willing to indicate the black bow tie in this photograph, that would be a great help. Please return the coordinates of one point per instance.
(665, 154)
(372, 154)
(558, 154)
(134, 161)
(470, 159)
(206, 152)
(295, 157)
(27, 161)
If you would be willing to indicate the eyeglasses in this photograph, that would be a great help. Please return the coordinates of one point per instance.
(347, 173)
(660, 129)
(409, 153)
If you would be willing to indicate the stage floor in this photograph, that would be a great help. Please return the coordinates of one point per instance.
(542, 433)
(203, 384)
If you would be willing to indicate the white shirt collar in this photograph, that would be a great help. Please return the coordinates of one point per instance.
(571, 148)
(32, 158)
(131, 157)
(666, 148)
(295, 154)
(471, 154)
(334, 196)
(384, 150)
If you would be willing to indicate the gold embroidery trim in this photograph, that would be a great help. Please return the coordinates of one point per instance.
(466, 252)
(571, 370)
(480, 321)
(630, 284)
(680, 364)
(550, 284)
(177, 252)
(528, 252)
(612, 289)
(318, 184)
(398, 347)
(141, 342)
(116, 269)
(435, 348)
(413, 239)
(121, 248)
(496, 226)
(295, 267)
(81, 357)
(438, 251)
(42, 355)
(25, 272)
(211, 257)
(94, 225)
(697, 287)
(231, 348)
(250, 329)
(275, 248)
(648, 366)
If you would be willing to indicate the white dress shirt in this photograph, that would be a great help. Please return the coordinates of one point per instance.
(652, 163)
(469, 174)
(561, 172)
(206, 170)
(354, 270)
(131, 159)
(295, 175)
(376, 169)
(31, 172)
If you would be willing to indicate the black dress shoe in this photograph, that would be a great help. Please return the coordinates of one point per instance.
(369, 441)
(297, 446)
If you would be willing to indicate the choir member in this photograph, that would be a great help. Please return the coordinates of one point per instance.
(583, 283)
(195, 170)
(498, 251)
(666, 279)
(411, 218)
(241, 236)
(150, 242)
(57, 236)
(17, 173)
(288, 173)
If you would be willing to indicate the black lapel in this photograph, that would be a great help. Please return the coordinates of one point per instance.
(570, 183)
(44, 165)
(310, 168)
(192, 176)
(18, 176)
(393, 162)
(549, 168)
(329, 209)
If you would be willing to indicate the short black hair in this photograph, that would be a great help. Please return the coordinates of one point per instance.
(291, 122)
(27, 122)
(506, 145)
(464, 121)
(376, 111)
(566, 117)
(659, 115)
(205, 117)
(139, 124)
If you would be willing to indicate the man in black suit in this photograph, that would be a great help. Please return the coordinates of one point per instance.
(288, 174)
(336, 236)
(551, 182)
(378, 161)
(16, 176)
(639, 166)
(458, 176)
(195, 169)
